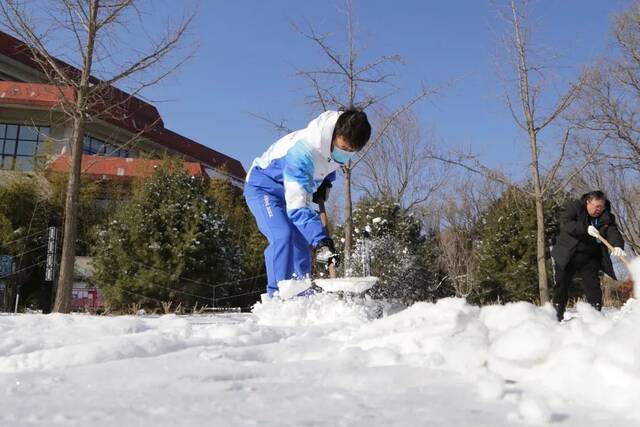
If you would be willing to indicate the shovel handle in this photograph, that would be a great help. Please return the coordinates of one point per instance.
(610, 247)
(325, 222)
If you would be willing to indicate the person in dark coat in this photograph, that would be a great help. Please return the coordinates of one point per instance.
(576, 252)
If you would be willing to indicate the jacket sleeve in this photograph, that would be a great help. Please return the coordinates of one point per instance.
(330, 178)
(298, 190)
(613, 235)
(570, 223)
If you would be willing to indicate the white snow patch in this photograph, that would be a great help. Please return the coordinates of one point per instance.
(320, 309)
(491, 387)
(534, 410)
(325, 360)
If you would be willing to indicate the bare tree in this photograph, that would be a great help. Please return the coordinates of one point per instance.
(610, 104)
(460, 216)
(529, 85)
(609, 116)
(94, 34)
(399, 167)
(347, 82)
(624, 194)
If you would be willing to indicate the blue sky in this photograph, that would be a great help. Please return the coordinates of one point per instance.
(248, 54)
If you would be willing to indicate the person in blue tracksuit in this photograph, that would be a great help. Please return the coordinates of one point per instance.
(293, 173)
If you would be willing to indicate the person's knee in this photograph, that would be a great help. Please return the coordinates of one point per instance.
(281, 238)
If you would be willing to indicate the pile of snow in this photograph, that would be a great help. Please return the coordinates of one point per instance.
(592, 361)
(37, 342)
(324, 309)
(325, 360)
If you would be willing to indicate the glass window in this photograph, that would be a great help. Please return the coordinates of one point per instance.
(19, 144)
(28, 133)
(97, 147)
(24, 163)
(43, 133)
(26, 148)
(86, 146)
(7, 162)
(101, 148)
(9, 147)
(12, 132)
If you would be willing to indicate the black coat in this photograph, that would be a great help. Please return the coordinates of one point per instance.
(574, 221)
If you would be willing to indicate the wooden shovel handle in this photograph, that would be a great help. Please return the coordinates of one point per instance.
(325, 222)
(610, 246)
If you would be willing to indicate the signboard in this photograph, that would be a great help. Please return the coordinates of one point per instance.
(51, 255)
(6, 265)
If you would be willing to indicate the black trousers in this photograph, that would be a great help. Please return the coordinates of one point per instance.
(585, 266)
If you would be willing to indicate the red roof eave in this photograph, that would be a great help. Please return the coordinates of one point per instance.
(118, 167)
(35, 94)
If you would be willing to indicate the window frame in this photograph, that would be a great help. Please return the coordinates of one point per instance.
(14, 159)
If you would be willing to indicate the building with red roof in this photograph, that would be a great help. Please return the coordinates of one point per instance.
(32, 124)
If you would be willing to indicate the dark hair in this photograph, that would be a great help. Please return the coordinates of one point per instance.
(594, 195)
(354, 126)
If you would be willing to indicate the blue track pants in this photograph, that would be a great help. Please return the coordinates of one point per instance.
(288, 254)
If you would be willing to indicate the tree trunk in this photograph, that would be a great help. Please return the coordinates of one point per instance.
(67, 261)
(543, 285)
(348, 220)
(65, 281)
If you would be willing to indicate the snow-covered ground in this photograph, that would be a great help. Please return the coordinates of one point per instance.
(325, 361)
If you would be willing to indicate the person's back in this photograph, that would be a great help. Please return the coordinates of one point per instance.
(312, 143)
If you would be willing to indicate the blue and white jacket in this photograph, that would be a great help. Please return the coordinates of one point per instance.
(299, 162)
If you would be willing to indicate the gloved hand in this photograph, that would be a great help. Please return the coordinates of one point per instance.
(593, 231)
(322, 193)
(326, 252)
(618, 252)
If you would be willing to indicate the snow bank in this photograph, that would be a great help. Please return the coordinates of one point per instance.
(446, 333)
(593, 359)
(38, 342)
(320, 309)
(329, 352)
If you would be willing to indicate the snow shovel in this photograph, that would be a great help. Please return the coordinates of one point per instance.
(289, 289)
(598, 236)
(348, 285)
